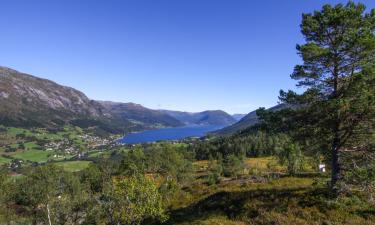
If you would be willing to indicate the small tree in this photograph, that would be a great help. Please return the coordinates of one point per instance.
(131, 200)
(233, 166)
(291, 156)
(51, 195)
(215, 170)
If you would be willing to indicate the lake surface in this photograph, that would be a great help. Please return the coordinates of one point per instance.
(175, 133)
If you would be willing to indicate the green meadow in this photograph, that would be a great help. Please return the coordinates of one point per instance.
(74, 166)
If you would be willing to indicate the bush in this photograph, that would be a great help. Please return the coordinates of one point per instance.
(215, 171)
(233, 166)
(291, 156)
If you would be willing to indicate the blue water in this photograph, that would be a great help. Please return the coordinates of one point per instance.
(176, 133)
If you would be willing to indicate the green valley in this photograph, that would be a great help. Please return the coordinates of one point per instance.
(308, 159)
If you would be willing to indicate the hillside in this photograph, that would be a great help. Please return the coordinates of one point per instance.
(247, 121)
(140, 117)
(209, 117)
(29, 101)
(238, 117)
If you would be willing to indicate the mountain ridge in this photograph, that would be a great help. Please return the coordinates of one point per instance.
(207, 117)
(247, 121)
(139, 115)
(27, 100)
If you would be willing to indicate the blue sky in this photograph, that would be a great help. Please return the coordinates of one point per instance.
(188, 55)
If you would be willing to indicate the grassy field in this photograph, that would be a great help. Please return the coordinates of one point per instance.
(261, 164)
(264, 164)
(16, 131)
(96, 154)
(71, 133)
(4, 160)
(33, 155)
(23, 143)
(74, 166)
(32, 145)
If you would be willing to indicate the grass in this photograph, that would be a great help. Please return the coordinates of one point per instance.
(263, 198)
(283, 201)
(33, 155)
(4, 160)
(31, 145)
(15, 146)
(74, 166)
(71, 132)
(96, 154)
(264, 164)
(14, 131)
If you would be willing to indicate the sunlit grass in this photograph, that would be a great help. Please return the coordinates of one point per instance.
(33, 155)
(74, 166)
(4, 160)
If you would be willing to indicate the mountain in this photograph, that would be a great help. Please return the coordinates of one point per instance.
(139, 116)
(247, 121)
(238, 117)
(210, 117)
(29, 101)
(32, 101)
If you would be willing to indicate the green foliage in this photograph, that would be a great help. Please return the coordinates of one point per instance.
(251, 144)
(47, 192)
(233, 166)
(171, 161)
(133, 162)
(215, 169)
(363, 178)
(334, 114)
(291, 156)
(94, 178)
(336, 111)
(131, 200)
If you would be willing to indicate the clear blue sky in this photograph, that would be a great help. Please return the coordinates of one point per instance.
(187, 55)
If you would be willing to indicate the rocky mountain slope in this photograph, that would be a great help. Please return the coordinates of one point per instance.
(29, 101)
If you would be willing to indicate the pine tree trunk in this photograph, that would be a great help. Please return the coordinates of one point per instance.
(335, 171)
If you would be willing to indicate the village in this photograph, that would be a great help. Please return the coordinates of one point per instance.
(39, 146)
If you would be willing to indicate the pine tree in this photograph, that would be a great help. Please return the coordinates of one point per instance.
(337, 73)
